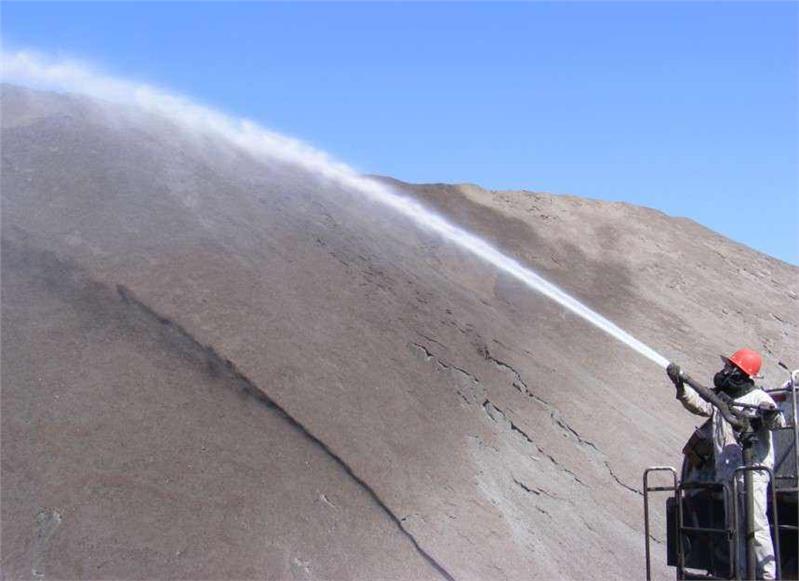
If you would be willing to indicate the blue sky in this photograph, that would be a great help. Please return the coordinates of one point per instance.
(688, 107)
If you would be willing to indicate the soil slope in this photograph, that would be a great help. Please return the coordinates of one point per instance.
(216, 366)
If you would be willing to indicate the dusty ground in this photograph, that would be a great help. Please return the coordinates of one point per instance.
(221, 367)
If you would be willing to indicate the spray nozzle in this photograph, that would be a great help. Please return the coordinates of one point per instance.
(675, 373)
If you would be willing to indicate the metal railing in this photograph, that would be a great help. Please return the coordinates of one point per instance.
(682, 529)
(733, 532)
(791, 391)
(647, 490)
(750, 532)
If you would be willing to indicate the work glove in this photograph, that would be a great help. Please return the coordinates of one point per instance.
(770, 415)
(673, 371)
(766, 417)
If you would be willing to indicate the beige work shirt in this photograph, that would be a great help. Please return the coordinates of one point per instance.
(728, 452)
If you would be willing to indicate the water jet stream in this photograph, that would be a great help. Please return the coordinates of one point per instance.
(37, 71)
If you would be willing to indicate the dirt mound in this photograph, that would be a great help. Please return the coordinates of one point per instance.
(216, 366)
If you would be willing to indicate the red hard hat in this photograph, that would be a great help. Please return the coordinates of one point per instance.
(746, 360)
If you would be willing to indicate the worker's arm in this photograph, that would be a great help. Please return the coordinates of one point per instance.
(772, 417)
(691, 401)
(774, 420)
(687, 395)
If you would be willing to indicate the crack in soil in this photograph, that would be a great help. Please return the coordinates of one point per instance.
(224, 367)
(498, 415)
(522, 387)
(559, 420)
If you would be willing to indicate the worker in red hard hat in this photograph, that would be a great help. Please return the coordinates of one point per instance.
(736, 380)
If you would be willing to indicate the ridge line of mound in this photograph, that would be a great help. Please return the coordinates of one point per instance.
(221, 366)
(65, 275)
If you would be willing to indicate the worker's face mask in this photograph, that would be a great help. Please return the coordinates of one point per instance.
(732, 381)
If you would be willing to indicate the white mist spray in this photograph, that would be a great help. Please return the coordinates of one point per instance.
(30, 69)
